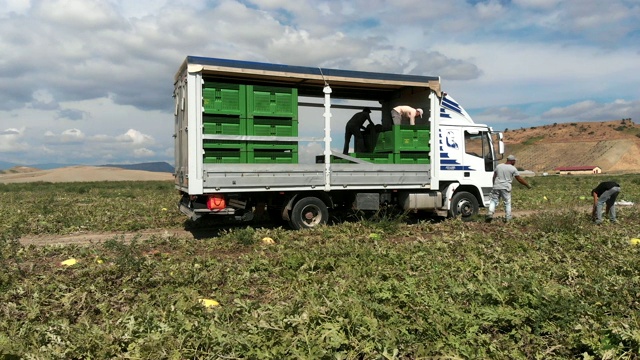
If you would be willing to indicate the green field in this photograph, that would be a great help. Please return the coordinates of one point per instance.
(549, 285)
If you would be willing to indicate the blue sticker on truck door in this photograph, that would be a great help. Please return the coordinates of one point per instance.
(451, 150)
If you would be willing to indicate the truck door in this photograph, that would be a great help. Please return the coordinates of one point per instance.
(478, 151)
(465, 149)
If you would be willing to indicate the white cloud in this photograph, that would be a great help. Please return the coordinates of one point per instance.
(73, 134)
(14, 7)
(43, 100)
(143, 153)
(573, 110)
(79, 14)
(594, 111)
(69, 136)
(11, 132)
(12, 140)
(537, 4)
(101, 138)
(505, 113)
(135, 137)
(550, 72)
(490, 10)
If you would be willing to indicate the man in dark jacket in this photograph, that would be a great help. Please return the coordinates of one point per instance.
(605, 192)
(354, 127)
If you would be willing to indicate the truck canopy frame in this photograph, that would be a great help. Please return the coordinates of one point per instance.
(345, 84)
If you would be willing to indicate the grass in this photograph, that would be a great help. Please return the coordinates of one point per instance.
(548, 285)
(532, 140)
(47, 208)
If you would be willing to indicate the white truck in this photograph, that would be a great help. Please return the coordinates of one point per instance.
(237, 144)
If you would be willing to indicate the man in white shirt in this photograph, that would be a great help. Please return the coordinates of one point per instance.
(502, 177)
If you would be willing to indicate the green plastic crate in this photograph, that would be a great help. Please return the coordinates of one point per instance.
(227, 125)
(404, 138)
(334, 160)
(281, 152)
(376, 158)
(411, 158)
(291, 146)
(272, 157)
(272, 126)
(272, 101)
(394, 158)
(225, 157)
(224, 145)
(221, 98)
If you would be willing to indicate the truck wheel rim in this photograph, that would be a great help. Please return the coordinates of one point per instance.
(465, 208)
(311, 215)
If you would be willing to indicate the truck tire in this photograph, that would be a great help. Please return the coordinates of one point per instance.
(463, 204)
(308, 212)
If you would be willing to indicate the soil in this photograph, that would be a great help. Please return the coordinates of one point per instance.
(88, 238)
(96, 238)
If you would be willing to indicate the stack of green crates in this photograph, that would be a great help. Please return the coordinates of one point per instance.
(235, 109)
(403, 144)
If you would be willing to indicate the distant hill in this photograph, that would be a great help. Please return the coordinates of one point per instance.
(6, 165)
(80, 173)
(152, 166)
(19, 170)
(614, 146)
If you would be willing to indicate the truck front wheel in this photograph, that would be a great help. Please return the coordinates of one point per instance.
(463, 204)
(308, 212)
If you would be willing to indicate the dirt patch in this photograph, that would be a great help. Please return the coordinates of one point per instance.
(96, 238)
(84, 239)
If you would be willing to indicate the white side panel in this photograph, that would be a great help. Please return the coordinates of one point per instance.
(434, 154)
(181, 179)
(194, 133)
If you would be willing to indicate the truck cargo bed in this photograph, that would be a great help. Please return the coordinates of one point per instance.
(287, 177)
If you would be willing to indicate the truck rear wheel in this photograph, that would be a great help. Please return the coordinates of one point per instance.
(463, 204)
(308, 212)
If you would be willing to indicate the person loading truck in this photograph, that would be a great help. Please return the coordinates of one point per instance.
(401, 112)
(353, 128)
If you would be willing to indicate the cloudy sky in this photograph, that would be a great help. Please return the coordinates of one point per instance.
(90, 81)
